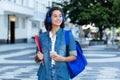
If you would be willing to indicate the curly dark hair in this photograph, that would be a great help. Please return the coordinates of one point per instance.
(47, 24)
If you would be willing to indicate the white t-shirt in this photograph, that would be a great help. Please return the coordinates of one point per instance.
(53, 39)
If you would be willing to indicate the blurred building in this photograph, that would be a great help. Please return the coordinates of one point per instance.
(20, 20)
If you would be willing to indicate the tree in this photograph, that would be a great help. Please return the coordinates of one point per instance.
(77, 11)
(116, 12)
(102, 13)
(99, 16)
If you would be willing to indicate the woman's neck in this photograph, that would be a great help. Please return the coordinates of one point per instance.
(54, 30)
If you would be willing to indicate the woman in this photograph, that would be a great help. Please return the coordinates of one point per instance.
(54, 48)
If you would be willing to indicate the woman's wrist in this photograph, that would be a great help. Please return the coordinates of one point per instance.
(64, 59)
(69, 58)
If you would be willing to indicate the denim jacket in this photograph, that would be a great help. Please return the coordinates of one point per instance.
(62, 73)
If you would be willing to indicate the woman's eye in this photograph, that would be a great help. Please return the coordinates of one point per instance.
(58, 16)
(55, 16)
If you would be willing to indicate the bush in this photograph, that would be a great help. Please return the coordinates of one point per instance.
(97, 40)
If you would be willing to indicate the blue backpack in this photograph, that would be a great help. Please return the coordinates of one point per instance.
(78, 65)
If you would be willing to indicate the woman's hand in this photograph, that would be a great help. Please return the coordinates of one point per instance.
(57, 57)
(40, 55)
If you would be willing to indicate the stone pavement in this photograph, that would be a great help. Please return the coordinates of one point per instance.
(17, 63)
(103, 63)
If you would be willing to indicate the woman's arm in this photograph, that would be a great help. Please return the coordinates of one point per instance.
(70, 58)
(57, 57)
(71, 51)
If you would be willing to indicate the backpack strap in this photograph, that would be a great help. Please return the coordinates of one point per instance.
(67, 37)
(67, 41)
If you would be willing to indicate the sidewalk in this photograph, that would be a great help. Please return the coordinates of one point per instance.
(16, 46)
(112, 46)
(102, 60)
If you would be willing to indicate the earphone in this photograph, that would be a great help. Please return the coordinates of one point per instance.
(49, 20)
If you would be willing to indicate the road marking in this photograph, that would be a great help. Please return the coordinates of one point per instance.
(102, 60)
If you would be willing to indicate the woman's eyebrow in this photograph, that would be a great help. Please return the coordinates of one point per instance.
(57, 14)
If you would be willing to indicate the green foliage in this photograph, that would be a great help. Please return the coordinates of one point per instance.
(103, 13)
(119, 29)
(86, 11)
(116, 6)
(116, 10)
(119, 42)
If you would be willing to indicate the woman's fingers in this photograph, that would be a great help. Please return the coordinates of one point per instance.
(39, 52)
(57, 57)
(40, 55)
(52, 55)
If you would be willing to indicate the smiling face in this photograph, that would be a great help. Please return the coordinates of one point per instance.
(56, 18)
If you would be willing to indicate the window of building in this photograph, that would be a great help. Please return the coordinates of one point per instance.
(25, 2)
(17, 22)
(14, 1)
(23, 22)
(22, 2)
(35, 24)
(31, 3)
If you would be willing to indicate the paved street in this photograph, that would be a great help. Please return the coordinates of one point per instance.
(17, 63)
(103, 64)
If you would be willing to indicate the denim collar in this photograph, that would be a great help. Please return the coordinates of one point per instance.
(58, 32)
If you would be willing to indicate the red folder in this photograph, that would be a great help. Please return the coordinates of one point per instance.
(38, 44)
